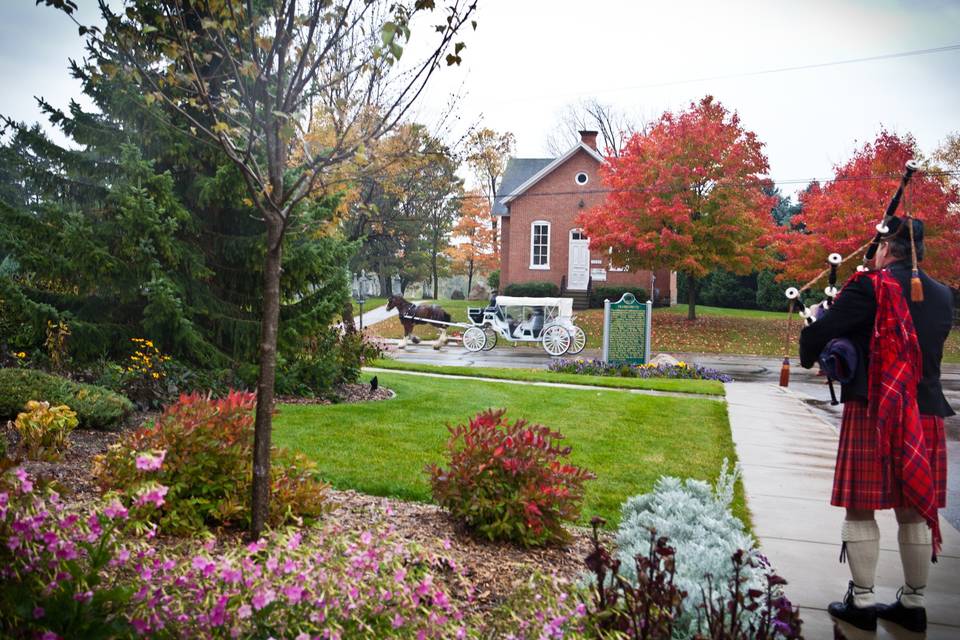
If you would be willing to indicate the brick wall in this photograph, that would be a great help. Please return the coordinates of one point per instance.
(557, 199)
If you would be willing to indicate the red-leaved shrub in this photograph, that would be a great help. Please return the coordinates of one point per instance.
(509, 481)
(202, 450)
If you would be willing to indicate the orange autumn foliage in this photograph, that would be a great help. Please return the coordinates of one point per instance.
(840, 215)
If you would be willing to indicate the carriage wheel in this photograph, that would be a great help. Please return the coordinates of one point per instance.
(578, 340)
(556, 340)
(491, 336)
(474, 339)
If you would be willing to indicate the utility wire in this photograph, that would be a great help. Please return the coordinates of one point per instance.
(800, 67)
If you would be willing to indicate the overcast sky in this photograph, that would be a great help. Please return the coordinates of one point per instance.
(529, 59)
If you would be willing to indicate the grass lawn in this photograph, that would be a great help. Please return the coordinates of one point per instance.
(681, 310)
(708, 387)
(627, 440)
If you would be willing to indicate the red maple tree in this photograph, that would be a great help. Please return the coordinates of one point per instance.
(475, 251)
(687, 195)
(840, 215)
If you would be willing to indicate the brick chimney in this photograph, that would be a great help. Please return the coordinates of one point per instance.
(589, 138)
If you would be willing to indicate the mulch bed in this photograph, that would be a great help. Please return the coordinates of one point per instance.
(492, 570)
(343, 394)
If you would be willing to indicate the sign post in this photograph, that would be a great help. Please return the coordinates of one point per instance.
(626, 330)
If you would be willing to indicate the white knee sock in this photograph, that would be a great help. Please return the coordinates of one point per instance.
(915, 540)
(862, 540)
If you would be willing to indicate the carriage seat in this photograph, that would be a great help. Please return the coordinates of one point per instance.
(533, 324)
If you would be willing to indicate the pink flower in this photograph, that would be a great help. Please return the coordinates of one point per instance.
(294, 542)
(366, 538)
(397, 621)
(154, 494)
(84, 597)
(116, 510)
(50, 635)
(38, 613)
(293, 593)
(303, 635)
(244, 611)
(263, 598)
(26, 486)
(150, 462)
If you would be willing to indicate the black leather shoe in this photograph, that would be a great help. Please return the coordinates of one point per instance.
(861, 617)
(910, 619)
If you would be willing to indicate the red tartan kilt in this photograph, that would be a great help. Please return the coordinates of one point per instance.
(858, 477)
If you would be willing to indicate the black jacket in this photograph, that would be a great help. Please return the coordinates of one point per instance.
(852, 317)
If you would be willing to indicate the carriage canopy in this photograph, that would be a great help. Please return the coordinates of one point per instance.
(564, 306)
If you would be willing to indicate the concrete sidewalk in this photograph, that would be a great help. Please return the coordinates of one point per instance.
(787, 455)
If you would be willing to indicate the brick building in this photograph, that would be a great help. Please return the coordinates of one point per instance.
(539, 198)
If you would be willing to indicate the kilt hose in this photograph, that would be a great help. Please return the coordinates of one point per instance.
(858, 477)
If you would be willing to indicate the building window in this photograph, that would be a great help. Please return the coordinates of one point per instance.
(577, 234)
(540, 245)
(582, 178)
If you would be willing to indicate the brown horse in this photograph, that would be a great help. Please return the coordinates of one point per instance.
(413, 314)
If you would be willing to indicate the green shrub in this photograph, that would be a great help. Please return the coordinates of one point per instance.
(44, 429)
(509, 481)
(599, 294)
(96, 407)
(537, 289)
(326, 361)
(202, 449)
(493, 280)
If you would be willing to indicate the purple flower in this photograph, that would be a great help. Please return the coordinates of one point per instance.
(38, 613)
(84, 597)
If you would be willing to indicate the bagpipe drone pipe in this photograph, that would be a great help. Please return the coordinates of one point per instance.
(812, 313)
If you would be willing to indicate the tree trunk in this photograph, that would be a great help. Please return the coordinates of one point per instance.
(435, 278)
(347, 316)
(469, 279)
(691, 297)
(269, 325)
(385, 288)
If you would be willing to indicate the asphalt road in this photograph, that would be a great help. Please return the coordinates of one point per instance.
(804, 382)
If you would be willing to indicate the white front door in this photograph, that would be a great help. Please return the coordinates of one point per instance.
(578, 274)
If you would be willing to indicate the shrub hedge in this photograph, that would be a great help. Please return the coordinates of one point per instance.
(532, 289)
(96, 407)
(599, 294)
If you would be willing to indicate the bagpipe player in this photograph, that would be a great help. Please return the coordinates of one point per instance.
(892, 448)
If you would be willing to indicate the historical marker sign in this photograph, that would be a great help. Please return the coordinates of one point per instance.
(626, 330)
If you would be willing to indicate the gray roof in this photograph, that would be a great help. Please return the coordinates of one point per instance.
(518, 171)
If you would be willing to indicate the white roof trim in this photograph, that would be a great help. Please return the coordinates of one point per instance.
(550, 167)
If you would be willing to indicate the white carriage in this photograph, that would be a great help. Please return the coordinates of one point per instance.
(546, 321)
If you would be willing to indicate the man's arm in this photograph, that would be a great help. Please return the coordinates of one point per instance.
(853, 310)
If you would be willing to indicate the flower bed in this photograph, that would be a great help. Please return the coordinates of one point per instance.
(600, 368)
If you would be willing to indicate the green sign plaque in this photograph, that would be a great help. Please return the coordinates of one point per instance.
(626, 330)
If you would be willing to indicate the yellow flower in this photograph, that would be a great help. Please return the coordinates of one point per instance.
(156, 376)
(21, 355)
(149, 344)
(681, 364)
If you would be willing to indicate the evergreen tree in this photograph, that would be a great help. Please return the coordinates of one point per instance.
(136, 229)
